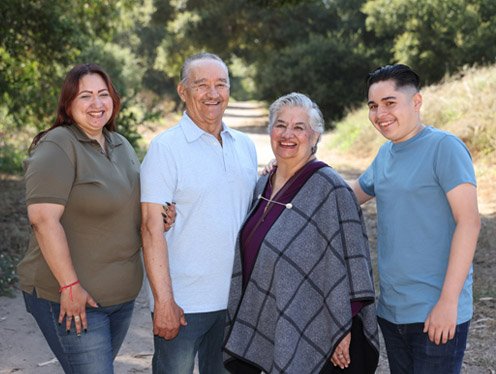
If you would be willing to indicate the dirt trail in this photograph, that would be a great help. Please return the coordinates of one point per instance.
(24, 350)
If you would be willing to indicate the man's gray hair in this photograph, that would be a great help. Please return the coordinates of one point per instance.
(296, 99)
(185, 69)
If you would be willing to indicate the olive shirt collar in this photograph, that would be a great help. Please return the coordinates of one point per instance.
(110, 137)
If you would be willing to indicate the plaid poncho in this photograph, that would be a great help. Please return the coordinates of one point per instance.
(313, 261)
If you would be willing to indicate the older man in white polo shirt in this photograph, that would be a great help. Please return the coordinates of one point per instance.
(209, 171)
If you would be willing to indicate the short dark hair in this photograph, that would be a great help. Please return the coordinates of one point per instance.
(401, 74)
(199, 56)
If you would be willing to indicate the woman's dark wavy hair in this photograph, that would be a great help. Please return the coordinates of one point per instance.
(68, 93)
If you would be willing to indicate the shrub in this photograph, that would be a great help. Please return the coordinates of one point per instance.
(8, 276)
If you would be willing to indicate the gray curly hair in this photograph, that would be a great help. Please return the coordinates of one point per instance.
(296, 99)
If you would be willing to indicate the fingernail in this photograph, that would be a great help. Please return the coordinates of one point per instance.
(85, 331)
(174, 202)
(168, 204)
(60, 323)
(68, 332)
(78, 334)
(164, 215)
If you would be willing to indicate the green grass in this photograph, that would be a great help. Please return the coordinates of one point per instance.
(14, 144)
(355, 134)
(11, 158)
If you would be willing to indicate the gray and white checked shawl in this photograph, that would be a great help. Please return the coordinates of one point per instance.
(313, 261)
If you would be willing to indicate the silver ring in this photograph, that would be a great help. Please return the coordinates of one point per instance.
(76, 318)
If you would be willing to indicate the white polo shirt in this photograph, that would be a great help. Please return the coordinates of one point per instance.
(212, 186)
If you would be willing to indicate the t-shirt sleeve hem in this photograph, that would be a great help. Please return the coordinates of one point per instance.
(46, 199)
(149, 200)
(368, 191)
(456, 183)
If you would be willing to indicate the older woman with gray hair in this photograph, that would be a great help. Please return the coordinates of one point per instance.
(302, 294)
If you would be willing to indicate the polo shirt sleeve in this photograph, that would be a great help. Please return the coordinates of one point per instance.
(366, 180)
(453, 164)
(49, 175)
(158, 174)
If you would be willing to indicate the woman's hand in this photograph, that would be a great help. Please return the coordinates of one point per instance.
(169, 215)
(341, 355)
(73, 302)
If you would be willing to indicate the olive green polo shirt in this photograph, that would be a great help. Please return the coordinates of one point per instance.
(101, 219)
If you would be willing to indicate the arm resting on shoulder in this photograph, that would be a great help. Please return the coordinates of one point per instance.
(45, 221)
(361, 196)
(441, 322)
(167, 315)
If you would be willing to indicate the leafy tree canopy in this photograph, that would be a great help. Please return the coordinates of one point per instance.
(321, 47)
(436, 37)
(40, 41)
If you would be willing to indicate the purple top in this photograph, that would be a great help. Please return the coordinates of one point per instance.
(265, 215)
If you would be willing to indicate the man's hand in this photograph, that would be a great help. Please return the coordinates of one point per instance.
(168, 317)
(341, 355)
(268, 168)
(169, 215)
(441, 322)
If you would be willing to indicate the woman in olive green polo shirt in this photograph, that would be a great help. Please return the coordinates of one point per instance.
(82, 270)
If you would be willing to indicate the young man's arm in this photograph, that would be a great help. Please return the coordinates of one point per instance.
(441, 322)
(361, 196)
(167, 315)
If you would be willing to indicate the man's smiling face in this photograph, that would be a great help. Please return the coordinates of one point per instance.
(206, 92)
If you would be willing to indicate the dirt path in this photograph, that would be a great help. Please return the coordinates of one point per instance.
(24, 350)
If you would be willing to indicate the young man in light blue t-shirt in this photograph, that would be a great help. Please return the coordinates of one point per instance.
(428, 223)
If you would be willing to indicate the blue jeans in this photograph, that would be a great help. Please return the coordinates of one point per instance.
(93, 351)
(410, 351)
(204, 335)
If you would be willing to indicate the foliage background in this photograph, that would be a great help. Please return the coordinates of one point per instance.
(323, 48)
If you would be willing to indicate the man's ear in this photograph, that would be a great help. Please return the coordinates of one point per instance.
(417, 101)
(181, 91)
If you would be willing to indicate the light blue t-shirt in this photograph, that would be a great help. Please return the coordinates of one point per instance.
(414, 222)
(212, 186)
